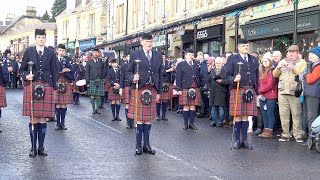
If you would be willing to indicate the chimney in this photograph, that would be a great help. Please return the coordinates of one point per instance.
(31, 11)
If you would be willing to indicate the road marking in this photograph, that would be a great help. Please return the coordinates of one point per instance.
(216, 177)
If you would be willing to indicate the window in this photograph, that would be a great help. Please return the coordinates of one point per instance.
(176, 6)
(78, 27)
(120, 19)
(65, 28)
(92, 24)
(199, 3)
(135, 14)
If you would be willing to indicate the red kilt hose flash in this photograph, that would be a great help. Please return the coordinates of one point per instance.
(107, 86)
(166, 96)
(126, 95)
(63, 98)
(3, 100)
(41, 108)
(112, 96)
(145, 112)
(243, 109)
(185, 101)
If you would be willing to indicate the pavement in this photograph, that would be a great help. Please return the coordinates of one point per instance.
(94, 147)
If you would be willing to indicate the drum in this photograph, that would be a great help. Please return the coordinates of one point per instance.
(81, 84)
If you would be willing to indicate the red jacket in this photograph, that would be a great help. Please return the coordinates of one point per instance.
(268, 87)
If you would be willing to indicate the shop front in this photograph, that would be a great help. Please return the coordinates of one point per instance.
(208, 40)
(276, 32)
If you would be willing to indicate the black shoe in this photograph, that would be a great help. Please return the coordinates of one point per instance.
(213, 124)
(138, 150)
(101, 107)
(129, 126)
(63, 127)
(33, 152)
(114, 119)
(246, 145)
(164, 118)
(148, 149)
(200, 115)
(58, 127)
(236, 145)
(192, 126)
(97, 112)
(94, 112)
(42, 152)
(118, 119)
(179, 111)
(158, 118)
(220, 125)
(0, 131)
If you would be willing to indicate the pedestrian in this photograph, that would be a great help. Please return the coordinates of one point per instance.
(288, 71)
(44, 75)
(218, 85)
(79, 74)
(268, 95)
(166, 89)
(95, 71)
(149, 79)
(14, 67)
(311, 86)
(3, 80)
(63, 95)
(114, 96)
(188, 82)
(248, 79)
(125, 84)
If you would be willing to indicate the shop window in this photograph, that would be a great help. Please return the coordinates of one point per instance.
(214, 50)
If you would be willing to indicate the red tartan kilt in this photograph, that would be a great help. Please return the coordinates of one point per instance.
(166, 96)
(185, 101)
(112, 96)
(145, 112)
(126, 95)
(243, 109)
(41, 108)
(107, 86)
(64, 98)
(3, 100)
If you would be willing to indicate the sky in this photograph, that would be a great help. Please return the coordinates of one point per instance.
(18, 7)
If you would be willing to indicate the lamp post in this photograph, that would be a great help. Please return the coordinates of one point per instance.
(295, 20)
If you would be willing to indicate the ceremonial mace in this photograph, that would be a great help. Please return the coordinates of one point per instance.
(235, 106)
(30, 65)
(137, 61)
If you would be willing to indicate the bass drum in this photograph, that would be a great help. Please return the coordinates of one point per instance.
(82, 87)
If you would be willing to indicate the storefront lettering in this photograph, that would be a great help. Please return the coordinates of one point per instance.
(259, 31)
(202, 34)
(307, 24)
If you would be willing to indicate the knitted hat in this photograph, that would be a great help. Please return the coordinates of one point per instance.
(315, 50)
(267, 55)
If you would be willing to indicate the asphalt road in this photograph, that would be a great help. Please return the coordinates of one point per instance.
(94, 147)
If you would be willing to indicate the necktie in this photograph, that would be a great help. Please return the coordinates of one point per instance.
(148, 55)
(115, 70)
(40, 53)
(60, 59)
(245, 58)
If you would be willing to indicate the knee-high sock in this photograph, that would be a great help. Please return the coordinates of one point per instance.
(106, 94)
(126, 112)
(186, 115)
(139, 132)
(34, 135)
(93, 102)
(192, 116)
(237, 129)
(98, 102)
(244, 129)
(164, 108)
(102, 101)
(113, 110)
(117, 110)
(146, 134)
(58, 116)
(74, 97)
(63, 115)
(42, 129)
(158, 109)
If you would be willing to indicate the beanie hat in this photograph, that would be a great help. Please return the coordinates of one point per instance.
(315, 50)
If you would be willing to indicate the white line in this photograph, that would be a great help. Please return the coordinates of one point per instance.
(109, 127)
(216, 177)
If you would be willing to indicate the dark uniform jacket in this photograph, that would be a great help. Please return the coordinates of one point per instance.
(218, 91)
(249, 71)
(113, 77)
(79, 72)
(147, 70)
(4, 79)
(186, 74)
(66, 63)
(95, 70)
(124, 81)
(167, 77)
(44, 69)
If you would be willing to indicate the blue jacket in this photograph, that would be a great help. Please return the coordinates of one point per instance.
(66, 63)
(203, 73)
(186, 74)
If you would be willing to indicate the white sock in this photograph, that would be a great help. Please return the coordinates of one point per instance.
(250, 122)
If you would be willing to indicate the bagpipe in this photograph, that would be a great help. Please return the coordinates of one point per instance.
(5, 72)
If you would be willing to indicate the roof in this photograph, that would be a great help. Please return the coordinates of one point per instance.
(15, 21)
(47, 26)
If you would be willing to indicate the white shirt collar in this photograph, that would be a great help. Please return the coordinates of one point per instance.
(244, 55)
(40, 49)
(150, 52)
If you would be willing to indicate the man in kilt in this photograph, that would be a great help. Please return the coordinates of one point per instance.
(248, 78)
(124, 92)
(63, 95)
(166, 89)
(188, 81)
(44, 77)
(95, 70)
(4, 78)
(114, 96)
(149, 79)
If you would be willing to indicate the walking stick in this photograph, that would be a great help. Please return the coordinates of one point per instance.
(236, 104)
(137, 61)
(30, 65)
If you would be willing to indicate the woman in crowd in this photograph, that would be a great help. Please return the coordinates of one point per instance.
(268, 91)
